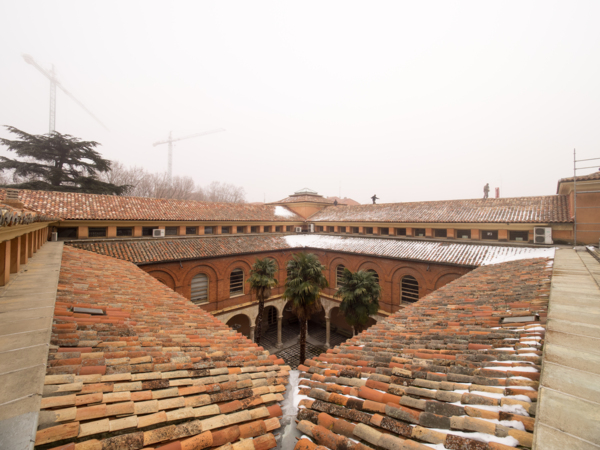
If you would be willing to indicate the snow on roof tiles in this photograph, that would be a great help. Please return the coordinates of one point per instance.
(155, 250)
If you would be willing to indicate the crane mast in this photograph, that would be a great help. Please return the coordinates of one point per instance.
(170, 146)
(54, 83)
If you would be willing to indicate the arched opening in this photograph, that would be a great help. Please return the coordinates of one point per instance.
(375, 274)
(236, 283)
(339, 273)
(269, 317)
(199, 288)
(240, 323)
(409, 289)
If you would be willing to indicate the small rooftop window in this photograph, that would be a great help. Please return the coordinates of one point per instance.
(92, 311)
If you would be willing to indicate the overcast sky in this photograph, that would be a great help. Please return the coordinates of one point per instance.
(409, 100)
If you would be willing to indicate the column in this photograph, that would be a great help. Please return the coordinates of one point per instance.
(30, 244)
(15, 254)
(35, 238)
(137, 231)
(327, 329)
(111, 232)
(24, 248)
(252, 333)
(4, 263)
(82, 232)
(279, 322)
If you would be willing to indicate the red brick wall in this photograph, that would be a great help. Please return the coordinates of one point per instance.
(391, 271)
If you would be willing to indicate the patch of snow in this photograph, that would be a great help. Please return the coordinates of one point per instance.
(482, 437)
(436, 446)
(515, 409)
(513, 368)
(507, 423)
(523, 398)
(283, 212)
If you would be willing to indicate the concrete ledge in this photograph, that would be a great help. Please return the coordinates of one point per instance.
(26, 310)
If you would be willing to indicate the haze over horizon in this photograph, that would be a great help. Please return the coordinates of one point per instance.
(409, 101)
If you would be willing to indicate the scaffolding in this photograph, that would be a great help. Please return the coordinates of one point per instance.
(575, 169)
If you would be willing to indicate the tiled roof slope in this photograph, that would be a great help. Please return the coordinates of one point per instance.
(344, 201)
(154, 372)
(69, 205)
(551, 208)
(441, 373)
(11, 215)
(156, 250)
(591, 176)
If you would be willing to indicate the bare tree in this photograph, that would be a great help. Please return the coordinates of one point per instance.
(158, 185)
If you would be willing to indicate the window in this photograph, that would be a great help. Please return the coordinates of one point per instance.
(236, 283)
(375, 274)
(342, 229)
(319, 229)
(288, 228)
(240, 229)
(400, 231)
(254, 229)
(171, 231)
(96, 232)
(463, 234)
(67, 233)
(442, 233)
(518, 235)
(226, 230)
(331, 229)
(147, 231)
(279, 229)
(355, 230)
(191, 230)
(208, 230)
(339, 273)
(384, 231)
(486, 234)
(200, 289)
(410, 289)
(268, 229)
(419, 231)
(271, 316)
(124, 231)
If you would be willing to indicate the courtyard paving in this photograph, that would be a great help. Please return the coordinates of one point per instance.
(290, 336)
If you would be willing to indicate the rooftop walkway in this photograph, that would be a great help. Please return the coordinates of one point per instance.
(568, 414)
(26, 310)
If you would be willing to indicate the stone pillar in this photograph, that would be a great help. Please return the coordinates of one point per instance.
(252, 333)
(111, 232)
(279, 322)
(34, 240)
(30, 244)
(409, 231)
(137, 231)
(15, 254)
(24, 248)
(4, 263)
(474, 234)
(82, 232)
(327, 330)
(182, 230)
(503, 235)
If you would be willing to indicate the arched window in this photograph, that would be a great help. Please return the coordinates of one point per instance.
(200, 289)
(236, 282)
(375, 274)
(339, 273)
(410, 289)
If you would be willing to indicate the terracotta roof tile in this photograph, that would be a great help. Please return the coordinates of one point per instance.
(155, 250)
(438, 371)
(161, 360)
(547, 209)
(70, 205)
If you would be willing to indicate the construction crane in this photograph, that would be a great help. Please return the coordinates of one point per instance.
(171, 140)
(54, 83)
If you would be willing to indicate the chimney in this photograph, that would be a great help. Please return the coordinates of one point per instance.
(497, 192)
(12, 198)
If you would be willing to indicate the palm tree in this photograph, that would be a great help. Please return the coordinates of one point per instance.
(262, 280)
(303, 287)
(360, 293)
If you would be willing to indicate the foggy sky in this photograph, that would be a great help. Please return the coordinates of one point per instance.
(409, 100)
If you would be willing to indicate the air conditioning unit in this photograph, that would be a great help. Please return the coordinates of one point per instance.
(158, 233)
(312, 227)
(542, 235)
(298, 229)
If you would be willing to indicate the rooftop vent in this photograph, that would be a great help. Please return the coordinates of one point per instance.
(92, 311)
(306, 191)
(12, 198)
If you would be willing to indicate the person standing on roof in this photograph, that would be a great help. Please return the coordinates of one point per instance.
(374, 198)
(486, 190)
